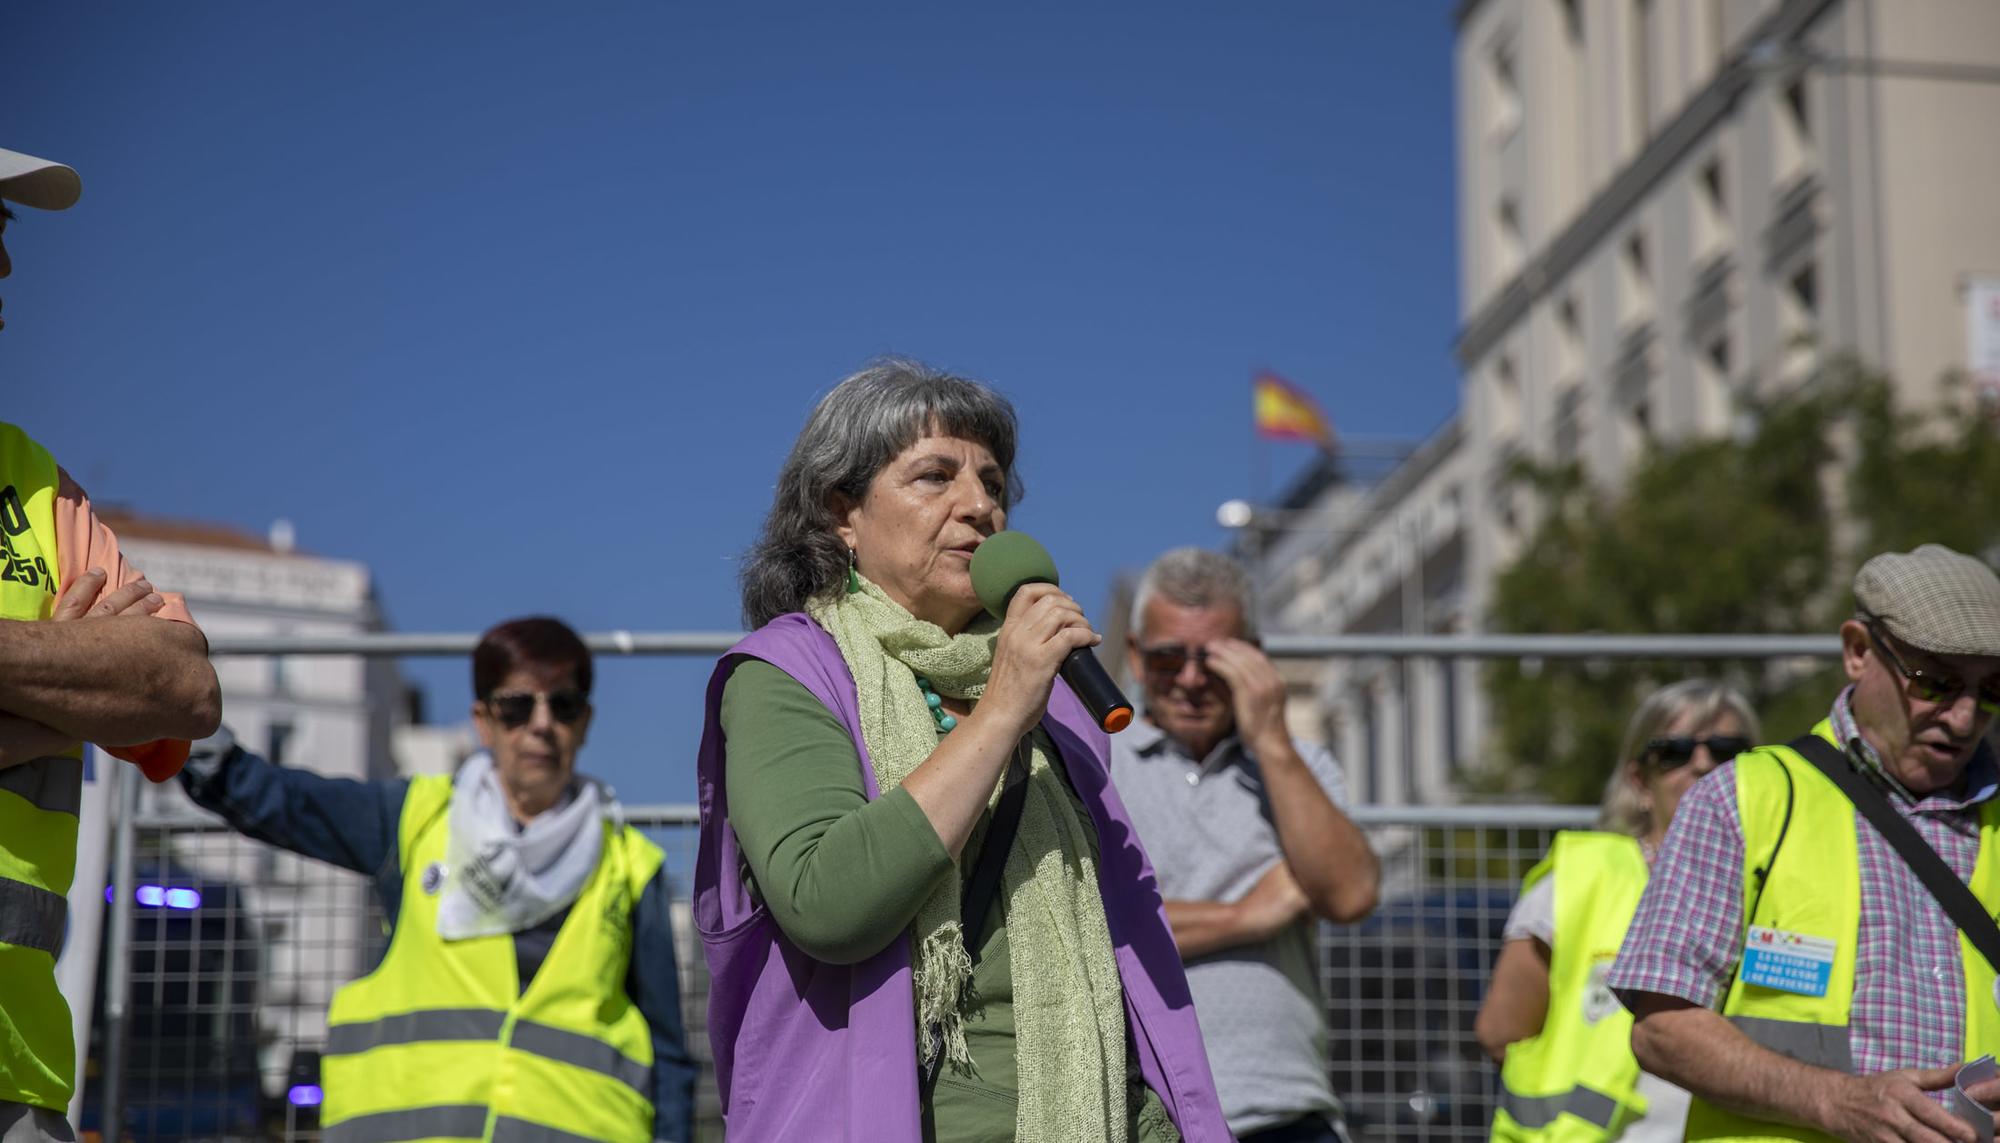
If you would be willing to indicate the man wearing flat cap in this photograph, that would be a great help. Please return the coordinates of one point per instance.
(120, 665)
(1786, 965)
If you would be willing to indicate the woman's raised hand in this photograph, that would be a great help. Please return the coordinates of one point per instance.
(1043, 625)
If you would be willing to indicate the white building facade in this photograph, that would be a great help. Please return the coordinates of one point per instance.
(1664, 206)
(334, 715)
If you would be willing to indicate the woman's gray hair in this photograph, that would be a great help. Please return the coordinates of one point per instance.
(1624, 809)
(1195, 577)
(863, 424)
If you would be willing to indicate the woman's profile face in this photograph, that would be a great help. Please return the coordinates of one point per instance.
(914, 531)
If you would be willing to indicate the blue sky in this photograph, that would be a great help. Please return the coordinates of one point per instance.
(521, 305)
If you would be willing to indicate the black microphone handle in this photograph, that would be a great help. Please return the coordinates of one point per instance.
(1101, 697)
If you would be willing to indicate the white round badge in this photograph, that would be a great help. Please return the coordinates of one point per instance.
(433, 878)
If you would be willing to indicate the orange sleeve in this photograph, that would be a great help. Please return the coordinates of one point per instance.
(82, 543)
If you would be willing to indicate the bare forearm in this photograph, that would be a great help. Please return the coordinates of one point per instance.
(1703, 1052)
(1517, 999)
(24, 740)
(115, 681)
(1203, 927)
(953, 786)
(1327, 852)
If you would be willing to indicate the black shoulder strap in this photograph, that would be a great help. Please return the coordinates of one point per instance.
(977, 899)
(1959, 903)
(976, 895)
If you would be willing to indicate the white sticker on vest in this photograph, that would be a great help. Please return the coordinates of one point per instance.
(1598, 999)
(1788, 962)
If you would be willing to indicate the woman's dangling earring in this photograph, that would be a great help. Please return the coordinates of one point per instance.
(853, 577)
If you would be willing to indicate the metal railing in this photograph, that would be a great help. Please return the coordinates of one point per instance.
(1387, 646)
(233, 959)
(215, 999)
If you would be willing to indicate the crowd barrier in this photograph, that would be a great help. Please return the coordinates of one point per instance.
(234, 948)
(218, 966)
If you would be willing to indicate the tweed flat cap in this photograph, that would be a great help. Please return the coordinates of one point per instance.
(1934, 599)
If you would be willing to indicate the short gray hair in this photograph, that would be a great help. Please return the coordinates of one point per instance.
(855, 430)
(1195, 577)
(1624, 807)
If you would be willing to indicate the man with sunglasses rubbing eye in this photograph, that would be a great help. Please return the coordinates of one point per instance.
(529, 989)
(1247, 835)
(1786, 966)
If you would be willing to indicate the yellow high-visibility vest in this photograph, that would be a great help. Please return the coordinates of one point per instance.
(39, 801)
(440, 1042)
(1801, 827)
(1575, 1081)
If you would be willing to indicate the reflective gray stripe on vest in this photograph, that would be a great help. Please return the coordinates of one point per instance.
(1537, 1111)
(446, 1024)
(1822, 1045)
(461, 1121)
(587, 1052)
(31, 916)
(507, 1129)
(415, 1028)
(53, 784)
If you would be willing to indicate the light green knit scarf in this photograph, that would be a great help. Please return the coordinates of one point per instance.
(1069, 1010)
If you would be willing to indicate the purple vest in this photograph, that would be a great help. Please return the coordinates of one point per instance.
(807, 1050)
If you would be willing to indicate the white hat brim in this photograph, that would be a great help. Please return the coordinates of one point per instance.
(40, 183)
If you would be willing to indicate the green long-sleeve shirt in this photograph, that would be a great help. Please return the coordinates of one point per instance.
(844, 876)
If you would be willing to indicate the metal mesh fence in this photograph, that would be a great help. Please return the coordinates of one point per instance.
(238, 948)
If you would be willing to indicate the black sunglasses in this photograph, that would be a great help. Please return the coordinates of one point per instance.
(1938, 688)
(1170, 658)
(1673, 753)
(515, 708)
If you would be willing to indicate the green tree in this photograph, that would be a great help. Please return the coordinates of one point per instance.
(1710, 536)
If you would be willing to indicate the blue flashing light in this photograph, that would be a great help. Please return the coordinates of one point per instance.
(305, 1095)
(155, 896)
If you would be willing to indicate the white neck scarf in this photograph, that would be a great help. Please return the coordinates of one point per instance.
(504, 878)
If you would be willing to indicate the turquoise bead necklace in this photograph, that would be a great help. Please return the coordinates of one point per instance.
(935, 702)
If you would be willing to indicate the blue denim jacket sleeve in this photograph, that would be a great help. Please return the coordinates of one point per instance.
(654, 983)
(340, 821)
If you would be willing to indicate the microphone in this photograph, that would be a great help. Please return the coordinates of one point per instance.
(1004, 563)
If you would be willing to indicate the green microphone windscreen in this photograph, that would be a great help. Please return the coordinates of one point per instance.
(1003, 562)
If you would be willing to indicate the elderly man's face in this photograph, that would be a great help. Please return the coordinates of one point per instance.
(1169, 656)
(1924, 713)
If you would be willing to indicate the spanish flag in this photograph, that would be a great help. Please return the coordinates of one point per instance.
(1288, 413)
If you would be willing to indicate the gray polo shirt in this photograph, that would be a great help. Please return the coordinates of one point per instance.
(1206, 825)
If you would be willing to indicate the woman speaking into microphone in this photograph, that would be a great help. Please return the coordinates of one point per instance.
(924, 911)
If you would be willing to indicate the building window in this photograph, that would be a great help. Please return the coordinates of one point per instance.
(1798, 311)
(1569, 341)
(1718, 356)
(1798, 116)
(1635, 281)
(1644, 113)
(280, 743)
(1371, 743)
(1506, 88)
(1712, 232)
(1505, 416)
(1712, 387)
(1569, 426)
(1804, 288)
(1510, 243)
(1793, 134)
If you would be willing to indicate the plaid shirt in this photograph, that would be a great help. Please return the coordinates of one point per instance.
(1909, 988)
